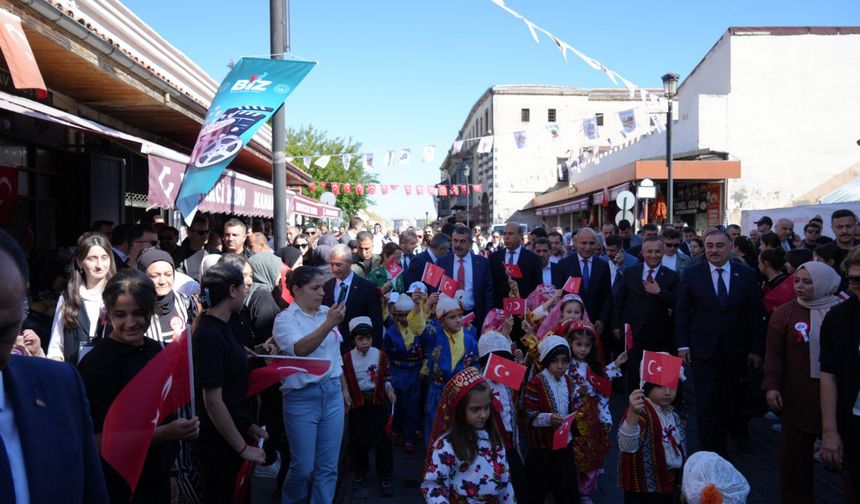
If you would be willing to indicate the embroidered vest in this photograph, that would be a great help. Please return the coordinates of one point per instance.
(352, 381)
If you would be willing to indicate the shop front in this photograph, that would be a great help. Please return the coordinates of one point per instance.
(572, 214)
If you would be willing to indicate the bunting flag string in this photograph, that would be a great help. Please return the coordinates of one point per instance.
(372, 189)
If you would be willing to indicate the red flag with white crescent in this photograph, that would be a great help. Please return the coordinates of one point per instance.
(514, 306)
(504, 371)
(281, 367)
(661, 369)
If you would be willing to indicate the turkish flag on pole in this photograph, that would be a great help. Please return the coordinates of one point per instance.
(160, 388)
(514, 306)
(661, 369)
(243, 479)
(432, 274)
(572, 285)
(468, 319)
(281, 367)
(562, 434)
(514, 270)
(393, 267)
(448, 286)
(504, 371)
(628, 337)
(599, 383)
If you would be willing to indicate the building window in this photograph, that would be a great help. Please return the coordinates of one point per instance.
(599, 117)
(524, 115)
(550, 115)
(487, 119)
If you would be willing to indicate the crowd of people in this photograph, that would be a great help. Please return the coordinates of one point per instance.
(767, 320)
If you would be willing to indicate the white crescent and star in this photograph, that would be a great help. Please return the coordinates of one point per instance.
(652, 361)
(496, 370)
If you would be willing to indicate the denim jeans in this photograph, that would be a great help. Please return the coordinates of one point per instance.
(313, 419)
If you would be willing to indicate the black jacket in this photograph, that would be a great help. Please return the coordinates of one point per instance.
(597, 295)
(363, 300)
(530, 266)
(649, 315)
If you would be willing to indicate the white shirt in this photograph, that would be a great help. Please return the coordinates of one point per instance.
(555, 259)
(547, 274)
(293, 324)
(508, 259)
(92, 303)
(670, 261)
(727, 275)
(560, 399)
(363, 364)
(468, 283)
(9, 433)
(646, 269)
(503, 394)
(613, 272)
(347, 282)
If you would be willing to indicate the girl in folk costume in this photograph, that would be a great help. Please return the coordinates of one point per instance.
(653, 442)
(549, 398)
(450, 349)
(466, 461)
(594, 386)
(505, 401)
(365, 371)
(404, 343)
(570, 307)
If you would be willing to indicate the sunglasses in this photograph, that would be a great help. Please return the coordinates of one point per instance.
(855, 279)
(311, 232)
(302, 245)
(671, 245)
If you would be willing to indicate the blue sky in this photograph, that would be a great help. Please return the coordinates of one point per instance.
(403, 74)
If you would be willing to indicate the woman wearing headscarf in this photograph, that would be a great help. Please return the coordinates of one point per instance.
(291, 258)
(792, 374)
(174, 312)
(261, 302)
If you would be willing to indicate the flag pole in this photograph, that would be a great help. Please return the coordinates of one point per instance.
(191, 373)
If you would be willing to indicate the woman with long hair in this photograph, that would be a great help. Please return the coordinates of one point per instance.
(79, 318)
(745, 249)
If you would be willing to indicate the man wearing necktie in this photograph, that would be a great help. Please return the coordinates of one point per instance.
(408, 242)
(596, 286)
(472, 274)
(514, 253)
(361, 296)
(719, 330)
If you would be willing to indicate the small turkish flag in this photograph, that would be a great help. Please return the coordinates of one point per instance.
(572, 285)
(599, 383)
(504, 371)
(661, 369)
(448, 286)
(468, 319)
(562, 434)
(514, 306)
(514, 270)
(432, 275)
(335, 188)
(243, 481)
(628, 337)
(393, 267)
(389, 424)
(281, 367)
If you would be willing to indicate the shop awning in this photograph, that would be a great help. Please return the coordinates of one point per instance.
(597, 198)
(309, 207)
(578, 205)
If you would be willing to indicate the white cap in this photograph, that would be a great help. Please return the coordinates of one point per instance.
(393, 297)
(404, 304)
(414, 286)
(359, 321)
(446, 305)
(703, 469)
(552, 341)
(493, 341)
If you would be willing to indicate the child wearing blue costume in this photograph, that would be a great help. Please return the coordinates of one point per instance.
(450, 349)
(404, 342)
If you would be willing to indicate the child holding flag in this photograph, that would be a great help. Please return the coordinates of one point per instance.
(549, 399)
(365, 371)
(404, 344)
(495, 346)
(652, 437)
(450, 349)
(466, 461)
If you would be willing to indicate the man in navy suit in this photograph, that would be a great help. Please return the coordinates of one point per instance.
(514, 253)
(472, 274)
(596, 286)
(543, 248)
(45, 426)
(361, 296)
(645, 298)
(440, 245)
(617, 259)
(719, 330)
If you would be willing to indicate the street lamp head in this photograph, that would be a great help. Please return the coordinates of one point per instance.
(670, 84)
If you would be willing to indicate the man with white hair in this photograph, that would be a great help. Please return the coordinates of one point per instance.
(361, 296)
(595, 284)
(785, 231)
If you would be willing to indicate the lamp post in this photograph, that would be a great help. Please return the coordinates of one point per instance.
(670, 90)
(279, 21)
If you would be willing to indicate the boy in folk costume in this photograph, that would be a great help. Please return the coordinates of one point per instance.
(505, 401)
(652, 438)
(450, 349)
(365, 370)
(549, 398)
(405, 346)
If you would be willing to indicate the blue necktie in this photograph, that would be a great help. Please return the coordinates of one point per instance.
(722, 292)
(585, 274)
(7, 486)
(342, 296)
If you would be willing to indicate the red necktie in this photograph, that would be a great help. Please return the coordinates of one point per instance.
(461, 276)
(650, 275)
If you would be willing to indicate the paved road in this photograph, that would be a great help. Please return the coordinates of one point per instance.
(758, 464)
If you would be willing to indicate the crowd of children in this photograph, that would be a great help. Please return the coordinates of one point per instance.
(489, 440)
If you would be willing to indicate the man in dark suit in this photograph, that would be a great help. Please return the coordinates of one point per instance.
(408, 243)
(617, 259)
(472, 274)
(719, 330)
(596, 286)
(543, 248)
(440, 245)
(45, 422)
(361, 296)
(645, 297)
(514, 253)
